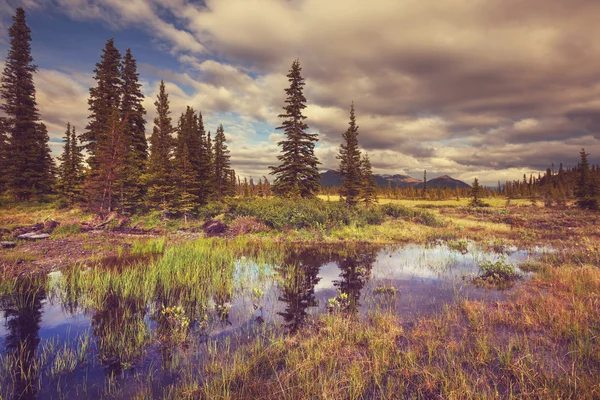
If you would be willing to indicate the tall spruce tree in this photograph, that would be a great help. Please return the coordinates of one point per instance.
(133, 111)
(297, 175)
(159, 174)
(350, 163)
(104, 98)
(31, 168)
(368, 185)
(222, 164)
(188, 153)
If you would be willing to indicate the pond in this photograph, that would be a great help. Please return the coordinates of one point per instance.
(118, 328)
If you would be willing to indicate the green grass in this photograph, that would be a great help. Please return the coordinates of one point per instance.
(66, 229)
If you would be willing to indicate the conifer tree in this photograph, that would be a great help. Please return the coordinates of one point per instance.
(188, 153)
(368, 185)
(24, 141)
(587, 191)
(104, 98)
(133, 111)
(158, 177)
(104, 184)
(425, 184)
(297, 175)
(65, 168)
(3, 155)
(70, 171)
(77, 167)
(222, 164)
(350, 163)
(476, 193)
(187, 183)
(232, 186)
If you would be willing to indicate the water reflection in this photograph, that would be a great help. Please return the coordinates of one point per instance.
(355, 271)
(122, 307)
(23, 313)
(298, 277)
(120, 331)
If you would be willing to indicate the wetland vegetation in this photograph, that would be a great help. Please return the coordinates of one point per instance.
(474, 305)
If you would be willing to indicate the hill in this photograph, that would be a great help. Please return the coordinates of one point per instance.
(331, 178)
(444, 181)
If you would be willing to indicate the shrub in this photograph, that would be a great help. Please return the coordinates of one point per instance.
(396, 211)
(210, 210)
(244, 225)
(294, 214)
(497, 272)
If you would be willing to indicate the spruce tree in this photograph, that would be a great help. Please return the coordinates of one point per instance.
(104, 98)
(188, 153)
(350, 163)
(187, 183)
(158, 177)
(132, 113)
(65, 168)
(77, 167)
(297, 175)
(70, 171)
(222, 164)
(29, 166)
(104, 184)
(425, 184)
(368, 185)
(3, 155)
(476, 194)
(586, 191)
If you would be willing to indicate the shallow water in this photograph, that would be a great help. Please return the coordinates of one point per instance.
(126, 350)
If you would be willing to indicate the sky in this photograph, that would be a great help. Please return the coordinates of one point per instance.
(469, 88)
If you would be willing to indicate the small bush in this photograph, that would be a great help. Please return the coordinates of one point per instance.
(245, 225)
(396, 211)
(496, 272)
(210, 210)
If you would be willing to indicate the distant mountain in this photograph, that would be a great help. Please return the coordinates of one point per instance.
(331, 178)
(444, 181)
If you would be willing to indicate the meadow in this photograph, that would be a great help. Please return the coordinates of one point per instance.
(410, 299)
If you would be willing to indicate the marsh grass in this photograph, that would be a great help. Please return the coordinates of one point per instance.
(535, 345)
(66, 229)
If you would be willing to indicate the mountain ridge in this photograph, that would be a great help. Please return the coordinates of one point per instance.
(331, 178)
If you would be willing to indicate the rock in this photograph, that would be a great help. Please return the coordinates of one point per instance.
(7, 245)
(33, 236)
(50, 226)
(214, 228)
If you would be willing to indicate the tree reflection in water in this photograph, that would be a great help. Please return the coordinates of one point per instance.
(22, 309)
(355, 273)
(299, 271)
(120, 330)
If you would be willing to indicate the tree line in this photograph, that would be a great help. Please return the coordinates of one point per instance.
(110, 166)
